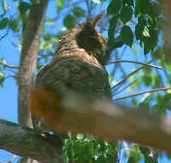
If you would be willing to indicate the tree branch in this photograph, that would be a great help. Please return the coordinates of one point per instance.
(28, 60)
(25, 142)
(101, 119)
(7, 65)
(135, 62)
(127, 77)
(4, 35)
(141, 93)
(110, 122)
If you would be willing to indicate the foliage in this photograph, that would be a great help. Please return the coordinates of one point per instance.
(133, 28)
(146, 16)
(83, 149)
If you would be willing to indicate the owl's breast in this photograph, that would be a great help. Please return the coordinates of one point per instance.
(75, 75)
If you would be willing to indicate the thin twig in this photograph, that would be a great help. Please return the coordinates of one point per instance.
(115, 65)
(116, 92)
(6, 65)
(128, 76)
(4, 35)
(141, 93)
(122, 70)
(135, 62)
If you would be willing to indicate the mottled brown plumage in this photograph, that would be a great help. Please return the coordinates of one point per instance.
(76, 70)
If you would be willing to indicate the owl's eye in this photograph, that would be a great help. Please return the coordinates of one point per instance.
(101, 38)
(98, 34)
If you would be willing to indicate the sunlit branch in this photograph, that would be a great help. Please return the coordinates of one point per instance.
(116, 92)
(141, 93)
(135, 62)
(7, 65)
(128, 76)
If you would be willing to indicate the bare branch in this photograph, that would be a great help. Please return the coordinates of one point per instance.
(135, 62)
(127, 77)
(4, 35)
(126, 86)
(7, 65)
(25, 142)
(141, 93)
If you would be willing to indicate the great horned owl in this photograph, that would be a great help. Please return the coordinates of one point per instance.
(76, 69)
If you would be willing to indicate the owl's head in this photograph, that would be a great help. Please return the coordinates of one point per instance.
(92, 41)
(85, 36)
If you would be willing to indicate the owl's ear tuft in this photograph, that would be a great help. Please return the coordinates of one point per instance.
(94, 21)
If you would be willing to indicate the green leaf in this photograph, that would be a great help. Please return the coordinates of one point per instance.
(114, 7)
(4, 23)
(147, 45)
(69, 21)
(127, 35)
(147, 79)
(150, 42)
(126, 13)
(96, 150)
(111, 31)
(154, 9)
(13, 24)
(112, 41)
(154, 37)
(78, 12)
(138, 31)
(60, 4)
(148, 7)
(134, 154)
(2, 78)
(139, 28)
(147, 32)
(147, 156)
(141, 7)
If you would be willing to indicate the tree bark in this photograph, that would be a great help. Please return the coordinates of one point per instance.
(25, 142)
(167, 29)
(28, 60)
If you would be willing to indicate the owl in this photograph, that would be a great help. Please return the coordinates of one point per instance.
(76, 70)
